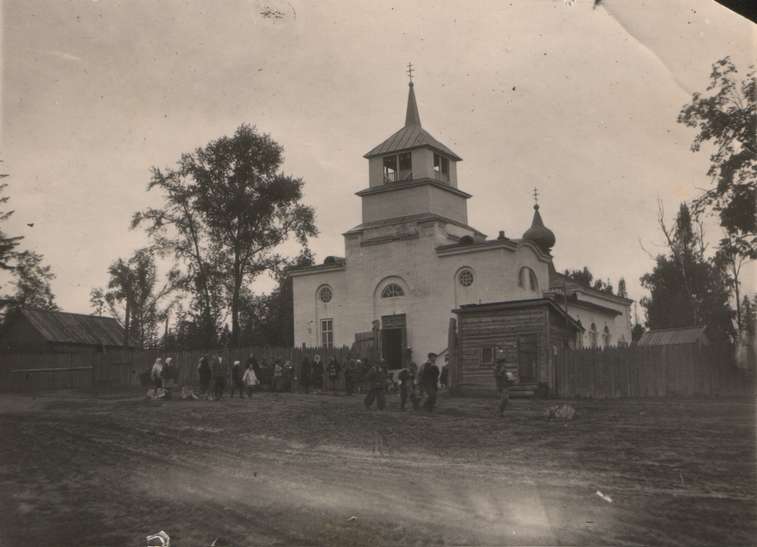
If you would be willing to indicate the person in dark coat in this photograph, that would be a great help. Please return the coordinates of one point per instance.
(376, 380)
(333, 373)
(290, 377)
(504, 379)
(305, 373)
(405, 381)
(317, 373)
(349, 377)
(219, 377)
(237, 384)
(278, 376)
(204, 373)
(429, 381)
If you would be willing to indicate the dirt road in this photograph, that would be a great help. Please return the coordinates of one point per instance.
(321, 470)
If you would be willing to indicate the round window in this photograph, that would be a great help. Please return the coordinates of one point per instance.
(325, 294)
(466, 278)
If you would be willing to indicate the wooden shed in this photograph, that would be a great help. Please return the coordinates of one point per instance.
(529, 332)
(30, 330)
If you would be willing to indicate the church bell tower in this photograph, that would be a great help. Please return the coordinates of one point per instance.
(413, 174)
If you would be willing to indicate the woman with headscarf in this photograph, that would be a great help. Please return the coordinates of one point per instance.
(157, 373)
(250, 380)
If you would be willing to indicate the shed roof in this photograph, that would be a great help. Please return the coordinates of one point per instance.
(74, 328)
(667, 337)
(518, 305)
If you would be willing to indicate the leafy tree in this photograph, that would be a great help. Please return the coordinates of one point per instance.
(178, 229)
(231, 208)
(586, 278)
(685, 288)
(730, 258)
(32, 282)
(726, 117)
(8, 243)
(97, 301)
(132, 296)
(31, 277)
(269, 319)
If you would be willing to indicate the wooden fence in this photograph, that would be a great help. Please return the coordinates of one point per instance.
(121, 369)
(676, 370)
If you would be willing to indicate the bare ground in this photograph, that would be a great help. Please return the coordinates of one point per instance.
(321, 470)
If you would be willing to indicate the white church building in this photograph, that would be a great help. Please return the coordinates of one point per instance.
(415, 258)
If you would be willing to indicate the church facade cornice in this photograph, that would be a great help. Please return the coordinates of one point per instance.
(317, 269)
(418, 219)
(484, 246)
(395, 187)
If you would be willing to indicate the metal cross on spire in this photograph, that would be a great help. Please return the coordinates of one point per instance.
(536, 196)
(410, 71)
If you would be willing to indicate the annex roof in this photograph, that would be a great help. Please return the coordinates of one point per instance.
(518, 305)
(668, 337)
(75, 328)
(559, 282)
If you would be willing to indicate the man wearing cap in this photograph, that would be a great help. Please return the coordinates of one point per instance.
(504, 380)
(376, 378)
(219, 377)
(429, 381)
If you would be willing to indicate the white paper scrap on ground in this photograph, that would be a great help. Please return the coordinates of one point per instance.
(160, 539)
(605, 497)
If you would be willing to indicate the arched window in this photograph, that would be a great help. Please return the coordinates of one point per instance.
(593, 335)
(465, 277)
(392, 290)
(580, 335)
(527, 279)
(325, 294)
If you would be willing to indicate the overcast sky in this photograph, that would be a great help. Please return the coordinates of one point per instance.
(579, 102)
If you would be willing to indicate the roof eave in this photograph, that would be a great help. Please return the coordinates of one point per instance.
(373, 153)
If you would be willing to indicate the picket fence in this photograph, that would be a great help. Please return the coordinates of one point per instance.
(121, 369)
(636, 371)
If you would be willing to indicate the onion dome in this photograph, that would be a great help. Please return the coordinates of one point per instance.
(539, 234)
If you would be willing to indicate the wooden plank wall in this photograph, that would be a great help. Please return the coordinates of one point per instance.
(477, 330)
(118, 369)
(680, 370)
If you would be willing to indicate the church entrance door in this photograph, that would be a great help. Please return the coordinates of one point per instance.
(393, 336)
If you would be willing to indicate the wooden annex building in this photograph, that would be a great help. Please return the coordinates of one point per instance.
(30, 330)
(529, 332)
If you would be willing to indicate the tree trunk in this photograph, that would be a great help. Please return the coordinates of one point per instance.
(235, 310)
(127, 322)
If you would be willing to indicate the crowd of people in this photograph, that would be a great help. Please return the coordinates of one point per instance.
(417, 385)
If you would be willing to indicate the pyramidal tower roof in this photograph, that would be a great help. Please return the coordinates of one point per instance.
(412, 117)
(412, 135)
